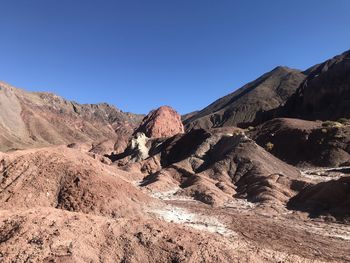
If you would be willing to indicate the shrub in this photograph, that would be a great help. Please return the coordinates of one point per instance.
(331, 124)
(343, 120)
(269, 146)
(237, 132)
(321, 141)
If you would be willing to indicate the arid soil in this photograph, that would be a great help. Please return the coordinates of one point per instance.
(330, 199)
(54, 235)
(62, 205)
(244, 192)
(288, 233)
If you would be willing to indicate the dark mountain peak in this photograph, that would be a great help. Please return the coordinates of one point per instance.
(241, 107)
(325, 93)
(346, 54)
(283, 69)
(315, 69)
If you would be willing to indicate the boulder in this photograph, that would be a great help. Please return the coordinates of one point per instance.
(162, 122)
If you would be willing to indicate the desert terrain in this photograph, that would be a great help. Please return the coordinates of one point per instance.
(260, 175)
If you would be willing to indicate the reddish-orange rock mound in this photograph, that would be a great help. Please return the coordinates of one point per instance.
(162, 122)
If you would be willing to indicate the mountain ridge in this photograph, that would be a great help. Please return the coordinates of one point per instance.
(324, 94)
(276, 86)
(31, 119)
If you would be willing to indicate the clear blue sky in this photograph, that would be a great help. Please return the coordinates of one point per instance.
(141, 54)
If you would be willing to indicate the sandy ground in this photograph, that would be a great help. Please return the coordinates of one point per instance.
(289, 235)
(169, 227)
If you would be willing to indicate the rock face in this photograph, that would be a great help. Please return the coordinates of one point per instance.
(162, 122)
(32, 119)
(305, 143)
(324, 94)
(325, 199)
(244, 106)
(138, 146)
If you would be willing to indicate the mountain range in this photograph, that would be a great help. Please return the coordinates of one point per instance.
(34, 119)
(30, 119)
(321, 92)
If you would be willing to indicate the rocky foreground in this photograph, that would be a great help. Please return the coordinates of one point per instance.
(61, 205)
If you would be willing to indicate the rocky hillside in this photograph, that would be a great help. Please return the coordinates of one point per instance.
(329, 199)
(240, 108)
(32, 119)
(323, 95)
(305, 143)
(213, 166)
(320, 93)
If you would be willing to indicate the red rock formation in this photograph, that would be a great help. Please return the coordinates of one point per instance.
(162, 122)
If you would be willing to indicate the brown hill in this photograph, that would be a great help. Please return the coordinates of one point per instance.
(240, 108)
(323, 95)
(68, 179)
(161, 122)
(301, 142)
(327, 199)
(214, 166)
(32, 119)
